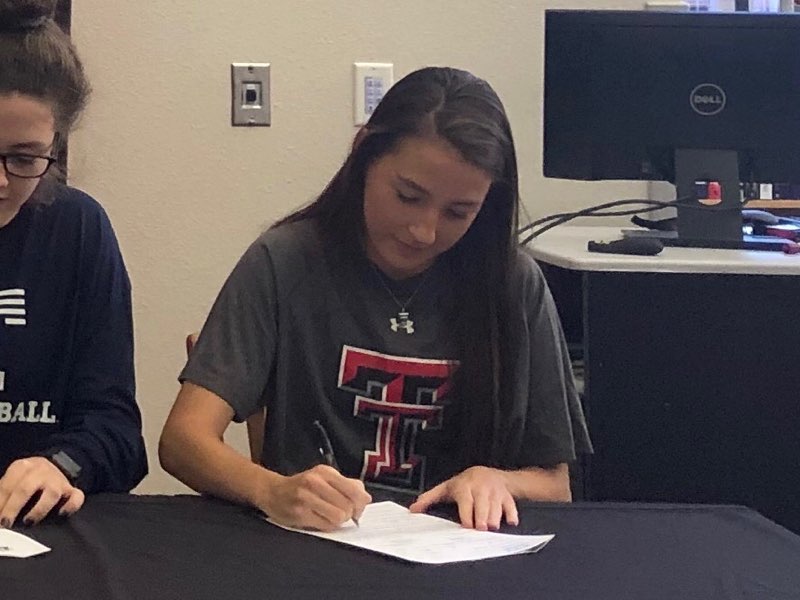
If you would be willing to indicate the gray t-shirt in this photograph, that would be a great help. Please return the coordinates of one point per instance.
(310, 336)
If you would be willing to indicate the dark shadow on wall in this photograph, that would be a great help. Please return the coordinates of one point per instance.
(64, 19)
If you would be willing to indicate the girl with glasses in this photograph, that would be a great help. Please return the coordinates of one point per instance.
(69, 424)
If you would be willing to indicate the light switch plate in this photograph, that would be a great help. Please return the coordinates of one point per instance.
(250, 95)
(371, 81)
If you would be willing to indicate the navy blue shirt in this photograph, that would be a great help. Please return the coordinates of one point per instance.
(66, 343)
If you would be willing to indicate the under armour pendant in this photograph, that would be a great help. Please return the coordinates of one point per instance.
(402, 322)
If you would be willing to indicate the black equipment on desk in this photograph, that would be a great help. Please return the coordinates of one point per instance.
(761, 231)
(636, 246)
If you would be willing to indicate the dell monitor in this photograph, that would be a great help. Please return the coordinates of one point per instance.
(678, 97)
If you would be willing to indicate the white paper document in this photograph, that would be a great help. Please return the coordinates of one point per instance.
(16, 545)
(389, 528)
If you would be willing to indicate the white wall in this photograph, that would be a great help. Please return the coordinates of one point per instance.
(187, 192)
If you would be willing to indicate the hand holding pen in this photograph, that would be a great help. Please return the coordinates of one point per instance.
(326, 450)
(319, 498)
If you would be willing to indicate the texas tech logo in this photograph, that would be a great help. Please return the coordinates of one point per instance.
(12, 307)
(401, 395)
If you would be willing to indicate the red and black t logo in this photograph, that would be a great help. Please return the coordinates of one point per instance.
(401, 395)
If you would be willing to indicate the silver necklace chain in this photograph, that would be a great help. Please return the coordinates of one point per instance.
(403, 320)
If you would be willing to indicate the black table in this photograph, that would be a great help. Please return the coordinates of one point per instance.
(187, 547)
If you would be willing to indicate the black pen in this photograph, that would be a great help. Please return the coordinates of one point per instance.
(326, 450)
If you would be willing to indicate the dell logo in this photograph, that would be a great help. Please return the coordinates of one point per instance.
(698, 99)
(707, 99)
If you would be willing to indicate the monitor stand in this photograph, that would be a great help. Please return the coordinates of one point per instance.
(701, 223)
(709, 226)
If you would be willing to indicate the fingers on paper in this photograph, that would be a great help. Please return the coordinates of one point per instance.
(479, 507)
(429, 498)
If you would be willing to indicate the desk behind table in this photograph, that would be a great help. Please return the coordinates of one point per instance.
(188, 547)
(691, 362)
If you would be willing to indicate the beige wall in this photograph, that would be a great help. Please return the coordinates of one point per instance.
(187, 193)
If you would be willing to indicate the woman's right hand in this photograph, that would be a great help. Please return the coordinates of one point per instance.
(319, 498)
(192, 449)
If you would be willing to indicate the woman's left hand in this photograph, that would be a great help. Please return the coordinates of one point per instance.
(482, 494)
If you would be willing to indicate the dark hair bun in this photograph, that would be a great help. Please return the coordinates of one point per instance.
(24, 15)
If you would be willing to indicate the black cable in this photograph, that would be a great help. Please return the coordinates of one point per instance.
(569, 216)
(589, 211)
(614, 213)
(595, 211)
(656, 204)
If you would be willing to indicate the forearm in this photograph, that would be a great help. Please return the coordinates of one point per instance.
(536, 483)
(208, 465)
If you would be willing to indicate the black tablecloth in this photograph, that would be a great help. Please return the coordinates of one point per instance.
(187, 547)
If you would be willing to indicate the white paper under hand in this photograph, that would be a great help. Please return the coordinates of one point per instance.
(16, 545)
(390, 529)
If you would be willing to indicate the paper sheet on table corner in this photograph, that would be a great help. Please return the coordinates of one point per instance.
(388, 528)
(17, 545)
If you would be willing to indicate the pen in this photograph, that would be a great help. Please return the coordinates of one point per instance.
(326, 450)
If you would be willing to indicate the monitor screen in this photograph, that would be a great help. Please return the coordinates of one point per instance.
(680, 97)
(625, 89)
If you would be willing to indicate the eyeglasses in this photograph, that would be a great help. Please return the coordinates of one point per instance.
(26, 166)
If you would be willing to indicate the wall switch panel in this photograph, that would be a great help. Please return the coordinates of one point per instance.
(250, 97)
(371, 81)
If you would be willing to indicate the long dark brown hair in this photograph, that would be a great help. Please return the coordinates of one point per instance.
(38, 59)
(464, 110)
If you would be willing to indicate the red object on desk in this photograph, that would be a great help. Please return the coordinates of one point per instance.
(788, 231)
(791, 233)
